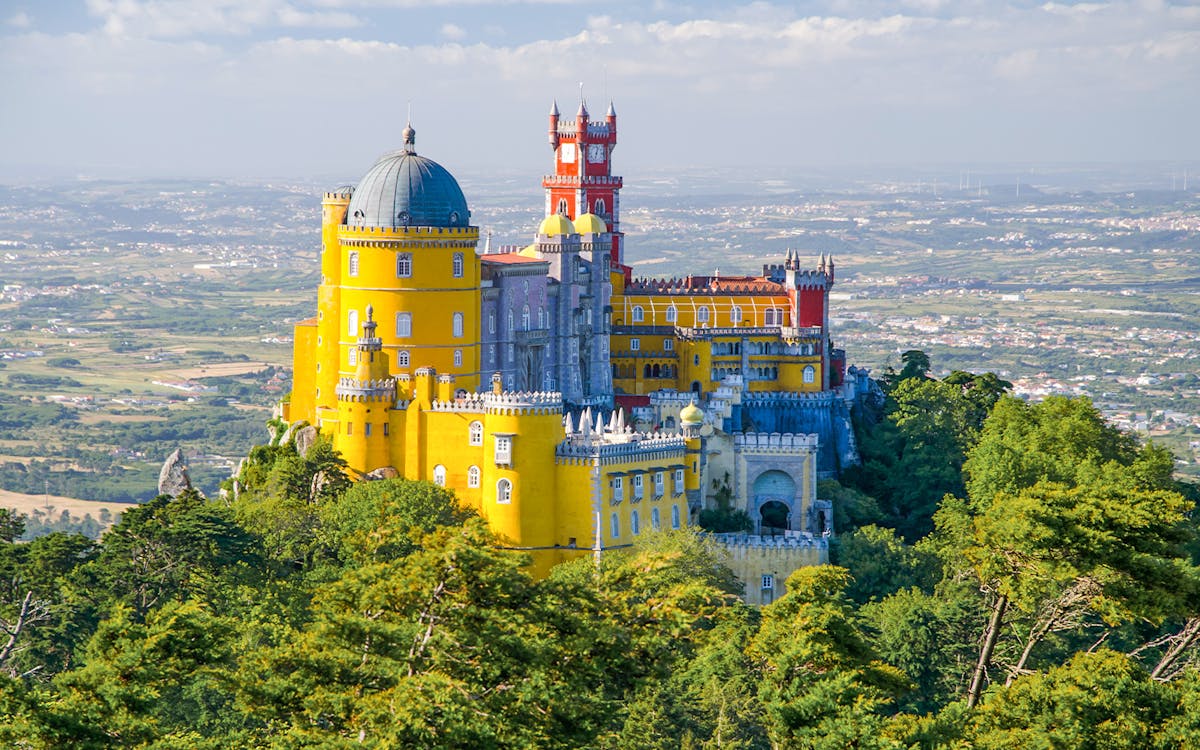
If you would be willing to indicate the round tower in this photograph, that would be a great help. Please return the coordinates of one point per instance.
(364, 401)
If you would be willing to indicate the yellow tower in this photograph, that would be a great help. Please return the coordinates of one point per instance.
(364, 404)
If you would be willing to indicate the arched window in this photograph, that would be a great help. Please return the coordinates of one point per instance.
(504, 492)
(735, 314)
(702, 315)
(439, 475)
(769, 317)
(655, 520)
(639, 314)
(352, 265)
(403, 265)
(353, 356)
(525, 318)
(634, 524)
(458, 265)
(457, 325)
(672, 314)
(475, 433)
(615, 524)
(810, 374)
(352, 322)
(473, 476)
(562, 206)
(402, 359)
(674, 516)
(541, 317)
(458, 357)
(403, 325)
(600, 207)
(646, 371)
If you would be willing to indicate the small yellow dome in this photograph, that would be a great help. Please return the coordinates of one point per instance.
(556, 224)
(529, 251)
(590, 224)
(691, 414)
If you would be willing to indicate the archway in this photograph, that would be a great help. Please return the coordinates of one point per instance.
(773, 518)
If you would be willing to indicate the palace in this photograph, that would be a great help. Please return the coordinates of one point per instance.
(573, 405)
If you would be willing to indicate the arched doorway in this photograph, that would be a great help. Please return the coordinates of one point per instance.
(774, 492)
(773, 518)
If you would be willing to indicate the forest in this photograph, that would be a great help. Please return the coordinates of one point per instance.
(1008, 575)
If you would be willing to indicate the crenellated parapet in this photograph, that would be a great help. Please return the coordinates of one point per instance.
(790, 540)
(775, 442)
(356, 390)
(514, 403)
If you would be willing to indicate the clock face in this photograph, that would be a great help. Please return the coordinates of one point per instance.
(568, 153)
(596, 153)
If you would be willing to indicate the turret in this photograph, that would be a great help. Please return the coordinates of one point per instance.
(610, 117)
(581, 118)
(829, 269)
(554, 125)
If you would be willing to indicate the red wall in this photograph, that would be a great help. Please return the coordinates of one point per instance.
(811, 307)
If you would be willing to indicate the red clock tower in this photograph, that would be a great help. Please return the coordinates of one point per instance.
(583, 181)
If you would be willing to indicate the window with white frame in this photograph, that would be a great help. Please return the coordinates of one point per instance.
(352, 264)
(600, 207)
(503, 449)
(402, 359)
(456, 325)
(618, 489)
(458, 265)
(352, 322)
(562, 206)
(491, 321)
(635, 344)
(525, 318)
(639, 314)
(511, 325)
(768, 581)
(403, 325)
(458, 357)
(672, 314)
(668, 345)
(679, 481)
(473, 476)
(702, 315)
(403, 265)
(659, 484)
(769, 317)
(475, 433)
(353, 355)
(634, 523)
(439, 475)
(509, 353)
(541, 317)
(674, 516)
(735, 314)
(638, 484)
(615, 525)
(655, 519)
(503, 492)
(810, 374)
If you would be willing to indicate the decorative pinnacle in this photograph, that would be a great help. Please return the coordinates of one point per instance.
(410, 139)
(554, 108)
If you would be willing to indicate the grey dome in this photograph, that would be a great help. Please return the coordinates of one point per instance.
(403, 189)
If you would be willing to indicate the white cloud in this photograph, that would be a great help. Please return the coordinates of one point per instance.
(453, 32)
(19, 20)
(164, 19)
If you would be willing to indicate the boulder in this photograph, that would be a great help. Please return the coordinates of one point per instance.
(305, 437)
(174, 479)
(386, 472)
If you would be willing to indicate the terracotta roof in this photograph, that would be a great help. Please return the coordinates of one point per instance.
(308, 322)
(509, 258)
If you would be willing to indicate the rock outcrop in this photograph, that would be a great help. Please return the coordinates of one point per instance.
(174, 479)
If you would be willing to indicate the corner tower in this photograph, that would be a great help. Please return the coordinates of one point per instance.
(400, 240)
(583, 182)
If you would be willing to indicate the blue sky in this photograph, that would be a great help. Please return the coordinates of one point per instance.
(316, 88)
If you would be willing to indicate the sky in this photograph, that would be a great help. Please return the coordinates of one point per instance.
(316, 89)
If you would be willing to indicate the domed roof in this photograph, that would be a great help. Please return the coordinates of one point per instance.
(529, 251)
(691, 414)
(556, 224)
(590, 224)
(403, 189)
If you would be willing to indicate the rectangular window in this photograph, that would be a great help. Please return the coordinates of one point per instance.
(367, 429)
(349, 428)
(403, 265)
(679, 481)
(353, 264)
(458, 357)
(386, 431)
(668, 345)
(618, 489)
(635, 344)
(503, 449)
(768, 581)
(353, 356)
(637, 486)
(658, 484)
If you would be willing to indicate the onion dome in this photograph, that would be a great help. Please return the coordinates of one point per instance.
(556, 224)
(691, 415)
(403, 189)
(590, 224)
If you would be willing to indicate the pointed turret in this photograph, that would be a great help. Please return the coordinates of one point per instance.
(621, 419)
(554, 124)
(610, 117)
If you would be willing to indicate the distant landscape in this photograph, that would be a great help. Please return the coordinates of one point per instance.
(137, 317)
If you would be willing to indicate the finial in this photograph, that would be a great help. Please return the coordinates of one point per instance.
(370, 312)
(410, 138)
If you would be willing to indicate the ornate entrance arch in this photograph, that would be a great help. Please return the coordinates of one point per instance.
(774, 497)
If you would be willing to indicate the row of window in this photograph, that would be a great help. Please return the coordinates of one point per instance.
(648, 371)
(635, 345)
(526, 319)
(635, 521)
(761, 373)
(773, 316)
(404, 323)
(404, 265)
(638, 485)
(598, 208)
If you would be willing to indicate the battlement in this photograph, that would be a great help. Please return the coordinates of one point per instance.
(338, 196)
(629, 447)
(560, 180)
(814, 398)
(790, 540)
(774, 442)
(353, 389)
(707, 285)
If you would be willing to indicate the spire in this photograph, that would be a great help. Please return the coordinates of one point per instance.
(368, 326)
(612, 111)
(612, 422)
(554, 108)
(599, 423)
(568, 427)
(582, 105)
(585, 422)
(621, 420)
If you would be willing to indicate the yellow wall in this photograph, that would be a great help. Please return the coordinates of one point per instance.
(720, 308)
